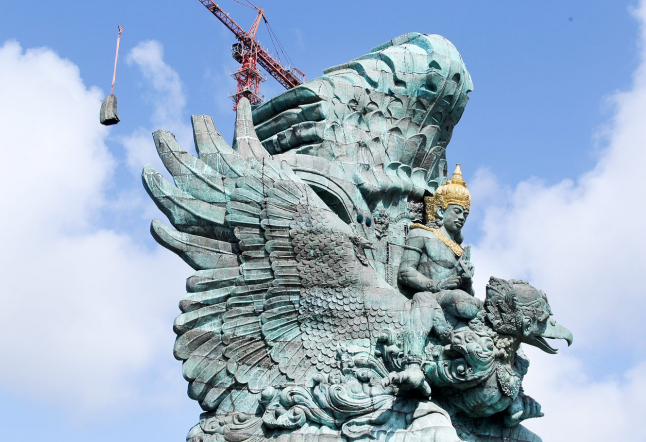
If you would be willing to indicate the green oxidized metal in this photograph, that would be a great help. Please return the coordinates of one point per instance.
(322, 307)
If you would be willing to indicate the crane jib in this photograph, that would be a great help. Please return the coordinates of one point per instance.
(248, 77)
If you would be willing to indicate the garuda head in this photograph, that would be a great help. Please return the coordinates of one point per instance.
(516, 308)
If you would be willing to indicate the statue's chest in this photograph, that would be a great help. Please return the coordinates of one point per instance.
(439, 256)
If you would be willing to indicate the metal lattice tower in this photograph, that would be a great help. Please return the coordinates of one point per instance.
(249, 53)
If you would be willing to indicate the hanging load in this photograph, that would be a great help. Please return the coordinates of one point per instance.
(109, 115)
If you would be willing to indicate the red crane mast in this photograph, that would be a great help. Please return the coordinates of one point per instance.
(249, 53)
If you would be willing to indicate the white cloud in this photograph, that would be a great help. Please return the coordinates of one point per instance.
(165, 92)
(582, 242)
(580, 408)
(85, 312)
(42, 127)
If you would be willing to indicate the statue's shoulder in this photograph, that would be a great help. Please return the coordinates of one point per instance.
(421, 238)
(418, 231)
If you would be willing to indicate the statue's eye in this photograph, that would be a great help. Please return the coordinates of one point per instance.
(528, 323)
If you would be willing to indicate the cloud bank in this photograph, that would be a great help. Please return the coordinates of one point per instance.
(85, 312)
(582, 242)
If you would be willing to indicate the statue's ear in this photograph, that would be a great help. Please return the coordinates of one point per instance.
(440, 212)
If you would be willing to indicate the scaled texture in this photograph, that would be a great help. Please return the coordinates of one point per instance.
(329, 302)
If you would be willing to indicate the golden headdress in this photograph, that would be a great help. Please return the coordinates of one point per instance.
(453, 191)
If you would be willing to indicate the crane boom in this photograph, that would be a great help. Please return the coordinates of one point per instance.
(225, 18)
(248, 77)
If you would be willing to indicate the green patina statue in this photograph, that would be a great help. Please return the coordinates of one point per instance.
(322, 309)
(436, 266)
(433, 259)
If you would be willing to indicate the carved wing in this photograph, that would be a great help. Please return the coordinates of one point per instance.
(395, 106)
(277, 282)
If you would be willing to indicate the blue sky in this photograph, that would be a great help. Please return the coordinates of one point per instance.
(531, 62)
(550, 144)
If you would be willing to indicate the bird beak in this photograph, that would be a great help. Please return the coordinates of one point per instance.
(553, 330)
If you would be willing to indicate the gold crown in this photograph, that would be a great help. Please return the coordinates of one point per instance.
(453, 191)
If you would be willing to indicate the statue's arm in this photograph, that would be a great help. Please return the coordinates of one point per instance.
(408, 274)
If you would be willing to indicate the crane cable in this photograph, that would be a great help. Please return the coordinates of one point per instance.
(271, 32)
(108, 115)
(250, 5)
(116, 58)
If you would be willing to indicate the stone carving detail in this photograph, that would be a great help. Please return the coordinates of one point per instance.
(289, 329)
(382, 222)
(370, 135)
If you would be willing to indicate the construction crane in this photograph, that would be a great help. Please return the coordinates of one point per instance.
(249, 53)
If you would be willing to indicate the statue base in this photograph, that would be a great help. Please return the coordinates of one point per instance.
(405, 421)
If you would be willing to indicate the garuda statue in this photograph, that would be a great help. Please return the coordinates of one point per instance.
(325, 305)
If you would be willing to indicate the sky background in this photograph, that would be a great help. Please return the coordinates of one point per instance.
(551, 145)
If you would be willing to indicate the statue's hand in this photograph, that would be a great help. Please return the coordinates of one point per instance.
(450, 284)
(469, 269)
(531, 408)
(412, 378)
(523, 407)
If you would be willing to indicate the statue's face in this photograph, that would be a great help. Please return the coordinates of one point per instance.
(453, 217)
